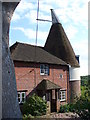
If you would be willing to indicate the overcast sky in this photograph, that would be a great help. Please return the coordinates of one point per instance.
(73, 15)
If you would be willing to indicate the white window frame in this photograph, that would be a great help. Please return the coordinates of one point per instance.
(62, 95)
(20, 93)
(45, 69)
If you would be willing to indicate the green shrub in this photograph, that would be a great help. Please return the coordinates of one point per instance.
(82, 104)
(35, 106)
(67, 108)
(27, 117)
(82, 107)
(64, 108)
(72, 107)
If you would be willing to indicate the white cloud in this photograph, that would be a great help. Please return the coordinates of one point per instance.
(15, 17)
(77, 11)
(81, 48)
(43, 16)
(45, 7)
(67, 10)
(31, 34)
(71, 31)
(24, 6)
(84, 68)
(32, 15)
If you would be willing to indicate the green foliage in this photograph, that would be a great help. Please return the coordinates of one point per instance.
(35, 106)
(64, 108)
(27, 117)
(67, 108)
(72, 107)
(84, 80)
(82, 105)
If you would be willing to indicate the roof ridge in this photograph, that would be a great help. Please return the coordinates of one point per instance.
(27, 44)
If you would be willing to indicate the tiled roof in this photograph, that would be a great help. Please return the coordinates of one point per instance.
(58, 44)
(30, 53)
(47, 85)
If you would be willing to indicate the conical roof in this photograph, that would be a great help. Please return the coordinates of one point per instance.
(58, 44)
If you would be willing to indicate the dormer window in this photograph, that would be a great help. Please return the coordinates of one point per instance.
(44, 69)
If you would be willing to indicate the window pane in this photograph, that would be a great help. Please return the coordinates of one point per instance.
(41, 66)
(23, 95)
(42, 70)
(18, 94)
(19, 97)
(46, 70)
(19, 100)
(23, 99)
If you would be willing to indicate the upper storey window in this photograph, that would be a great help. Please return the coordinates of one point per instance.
(44, 69)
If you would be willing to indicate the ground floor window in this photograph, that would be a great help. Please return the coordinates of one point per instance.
(21, 97)
(62, 95)
(44, 97)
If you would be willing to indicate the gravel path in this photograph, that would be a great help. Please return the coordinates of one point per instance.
(68, 116)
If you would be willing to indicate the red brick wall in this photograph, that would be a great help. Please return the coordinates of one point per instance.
(25, 76)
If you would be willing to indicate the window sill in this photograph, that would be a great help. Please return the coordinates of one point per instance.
(44, 74)
(63, 100)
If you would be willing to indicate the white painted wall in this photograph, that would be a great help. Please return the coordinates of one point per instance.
(74, 73)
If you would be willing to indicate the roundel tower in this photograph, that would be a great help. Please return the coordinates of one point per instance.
(58, 44)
